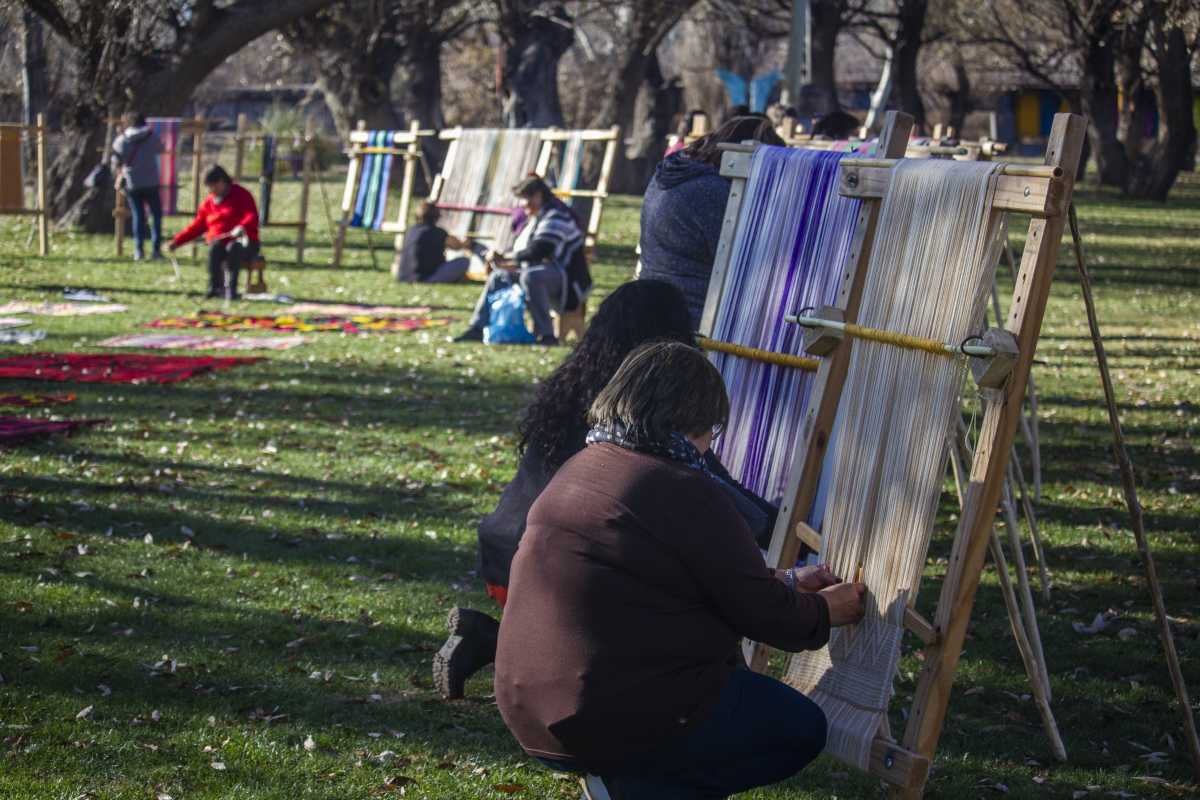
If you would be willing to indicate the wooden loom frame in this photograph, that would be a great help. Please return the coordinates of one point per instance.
(406, 145)
(551, 139)
(242, 137)
(1044, 193)
(197, 127)
(40, 209)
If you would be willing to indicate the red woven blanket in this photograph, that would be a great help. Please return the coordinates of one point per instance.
(112, 367)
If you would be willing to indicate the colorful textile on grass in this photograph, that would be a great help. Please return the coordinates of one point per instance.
(371, 201)
(113, 367)
(167, 131)
(61, 309)
(793, 239)
(14, 322)
(20, 336)
(34, 400)
(352, 309)
(14, 430)
(342, 324)
(183, 341)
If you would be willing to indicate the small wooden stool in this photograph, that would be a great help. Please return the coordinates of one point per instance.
(570, 322)
(255, 282)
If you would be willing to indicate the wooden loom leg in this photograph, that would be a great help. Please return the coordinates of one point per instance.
(1129, 484)
(43, 211)
(1029, 423)
(310, 157)
(1034, 670)
(412, 153)
(805, 472)
(982, 493)
(1028, 430)
(239, 147)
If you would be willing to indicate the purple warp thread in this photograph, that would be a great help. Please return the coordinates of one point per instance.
(793, 241)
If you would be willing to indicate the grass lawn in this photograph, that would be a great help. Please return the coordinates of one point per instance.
(236, 587)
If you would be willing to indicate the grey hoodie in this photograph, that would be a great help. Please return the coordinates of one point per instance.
(136, 151)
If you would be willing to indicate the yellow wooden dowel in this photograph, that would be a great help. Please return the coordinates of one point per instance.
(755, 354)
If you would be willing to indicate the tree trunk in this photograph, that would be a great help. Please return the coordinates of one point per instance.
(419, 80)
(1098, 98)
(35, 73)
(531, 73)
(909, 29)
(359, 90)
(960, 98)
(820, 95)
(121, 69)
(1156, 173)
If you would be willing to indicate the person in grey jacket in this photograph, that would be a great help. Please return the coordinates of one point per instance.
(684, 208)
(135, 166)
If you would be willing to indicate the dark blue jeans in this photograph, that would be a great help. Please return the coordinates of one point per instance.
(145, 208)
(760, 732)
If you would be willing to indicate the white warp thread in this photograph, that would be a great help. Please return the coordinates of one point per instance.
(933, 261)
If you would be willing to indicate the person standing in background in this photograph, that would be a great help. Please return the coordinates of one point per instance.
(135, 166)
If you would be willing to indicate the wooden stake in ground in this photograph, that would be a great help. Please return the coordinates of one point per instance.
(1129, 485)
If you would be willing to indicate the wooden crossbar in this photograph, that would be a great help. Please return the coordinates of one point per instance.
(10, 160)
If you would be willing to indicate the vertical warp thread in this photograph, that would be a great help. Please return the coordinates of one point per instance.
(935, 251)
(793, 238)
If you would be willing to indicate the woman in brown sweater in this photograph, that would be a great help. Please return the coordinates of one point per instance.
(630, 592)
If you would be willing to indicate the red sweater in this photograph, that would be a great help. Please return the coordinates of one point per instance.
(215, 219)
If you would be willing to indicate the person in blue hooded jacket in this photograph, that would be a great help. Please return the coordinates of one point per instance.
(684, 207)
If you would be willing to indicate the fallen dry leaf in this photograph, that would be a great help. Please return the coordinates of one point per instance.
(508, 788)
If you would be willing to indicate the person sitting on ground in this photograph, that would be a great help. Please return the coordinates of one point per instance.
(552, 429)
(135, 167)
(228, 220)
(837, 125)
(684, 208)
(635, 583)
(422, 258)
(541, 254)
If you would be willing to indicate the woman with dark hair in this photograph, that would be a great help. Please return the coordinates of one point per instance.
(544, 251)
(635, 583)
(552, 429)
(422, 256)
(228, 221)
(684, 208)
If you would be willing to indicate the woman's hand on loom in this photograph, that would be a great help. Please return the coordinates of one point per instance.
(845, 601)
(814, 578)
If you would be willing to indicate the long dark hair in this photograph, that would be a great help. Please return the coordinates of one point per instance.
(555, 422)
(738, 129)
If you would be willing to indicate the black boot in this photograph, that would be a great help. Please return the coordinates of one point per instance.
(471, 647)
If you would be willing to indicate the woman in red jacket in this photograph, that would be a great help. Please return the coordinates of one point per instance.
(228, 220)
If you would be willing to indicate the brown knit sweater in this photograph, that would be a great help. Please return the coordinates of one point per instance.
(633, 584)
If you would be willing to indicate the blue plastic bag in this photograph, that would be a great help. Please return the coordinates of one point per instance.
(506, 323)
